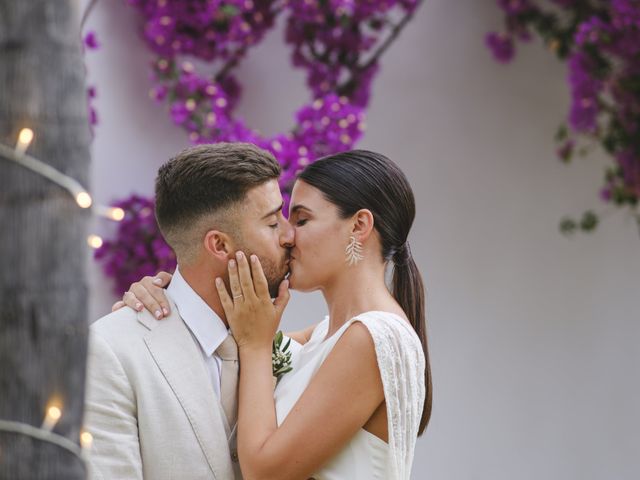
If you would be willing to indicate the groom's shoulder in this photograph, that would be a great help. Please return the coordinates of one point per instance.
(121, 328)
(120, 334)
(121, 321)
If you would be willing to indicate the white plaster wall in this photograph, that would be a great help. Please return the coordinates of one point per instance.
(534, 338)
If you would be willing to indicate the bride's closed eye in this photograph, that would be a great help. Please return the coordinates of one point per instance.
(301, 222)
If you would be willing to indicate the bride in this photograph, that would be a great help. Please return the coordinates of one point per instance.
(360, 391)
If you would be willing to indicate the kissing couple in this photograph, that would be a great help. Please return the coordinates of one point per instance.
(180, 380)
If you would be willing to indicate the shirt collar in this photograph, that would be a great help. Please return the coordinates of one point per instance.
(205, 325)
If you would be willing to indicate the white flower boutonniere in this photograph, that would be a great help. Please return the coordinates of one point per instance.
(280, 356)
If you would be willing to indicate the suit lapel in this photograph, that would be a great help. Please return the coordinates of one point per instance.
(178, 358)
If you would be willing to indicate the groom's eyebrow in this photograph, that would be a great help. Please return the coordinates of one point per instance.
(273, 212)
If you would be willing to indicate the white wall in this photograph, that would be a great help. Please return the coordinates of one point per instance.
(534, 338)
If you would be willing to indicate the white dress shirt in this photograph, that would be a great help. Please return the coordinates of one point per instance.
(206, 327)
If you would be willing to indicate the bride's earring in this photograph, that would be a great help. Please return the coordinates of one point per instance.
(353, 252)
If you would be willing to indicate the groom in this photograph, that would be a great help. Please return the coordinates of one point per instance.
(161, 395)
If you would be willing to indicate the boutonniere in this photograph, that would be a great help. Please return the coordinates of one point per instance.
(280, 356)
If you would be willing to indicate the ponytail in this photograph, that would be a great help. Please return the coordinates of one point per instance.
(408, 290)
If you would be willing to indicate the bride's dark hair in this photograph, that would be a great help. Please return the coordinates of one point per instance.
(361, 179)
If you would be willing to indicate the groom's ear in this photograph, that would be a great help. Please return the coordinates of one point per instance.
(218, 244)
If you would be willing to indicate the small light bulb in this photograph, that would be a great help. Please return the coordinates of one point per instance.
(86, 440)
(94, 241)
(116, 214)
(25, 137)
(84, 199)
(53, 415)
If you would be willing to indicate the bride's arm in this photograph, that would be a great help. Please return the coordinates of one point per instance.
(340, 399)
(337, 403)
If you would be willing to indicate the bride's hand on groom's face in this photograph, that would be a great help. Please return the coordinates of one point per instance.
(147, 293)
(251, 314)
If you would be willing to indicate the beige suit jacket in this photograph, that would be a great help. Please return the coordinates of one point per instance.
(150, 405)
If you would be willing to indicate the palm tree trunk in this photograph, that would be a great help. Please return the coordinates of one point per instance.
(43, 292)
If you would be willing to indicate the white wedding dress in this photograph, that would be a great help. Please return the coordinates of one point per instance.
(401, 362)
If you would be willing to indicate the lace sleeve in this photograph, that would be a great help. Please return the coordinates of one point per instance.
(401, 362)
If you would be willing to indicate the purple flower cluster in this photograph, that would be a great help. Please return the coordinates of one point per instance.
(329, 39)
(205, 29)
(501, 45)
(139, 248)
(625, 14)
(338, 44)
(90, 42)
(217, 31)
(329, 124)
(585, 89)
(600, 41)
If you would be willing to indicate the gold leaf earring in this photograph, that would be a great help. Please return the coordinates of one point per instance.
(353, 252)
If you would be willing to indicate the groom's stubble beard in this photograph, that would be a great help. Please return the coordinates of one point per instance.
(275, 271)
(275, 274)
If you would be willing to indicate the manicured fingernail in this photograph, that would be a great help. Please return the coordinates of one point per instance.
(138, 306)
(158, 314)
(157, 281)
(239, 255)
(165, 310)
(232, 263)
(254, 259)
(219, 282)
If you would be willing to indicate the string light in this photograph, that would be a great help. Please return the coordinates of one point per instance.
(19, 155)
(53, 411)
(41, 168)
(45, 432)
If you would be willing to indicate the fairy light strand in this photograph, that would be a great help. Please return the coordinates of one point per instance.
(76, 190)
(43, 435)
(19, 155)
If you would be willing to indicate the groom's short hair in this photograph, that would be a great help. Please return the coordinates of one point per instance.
(196, 190)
